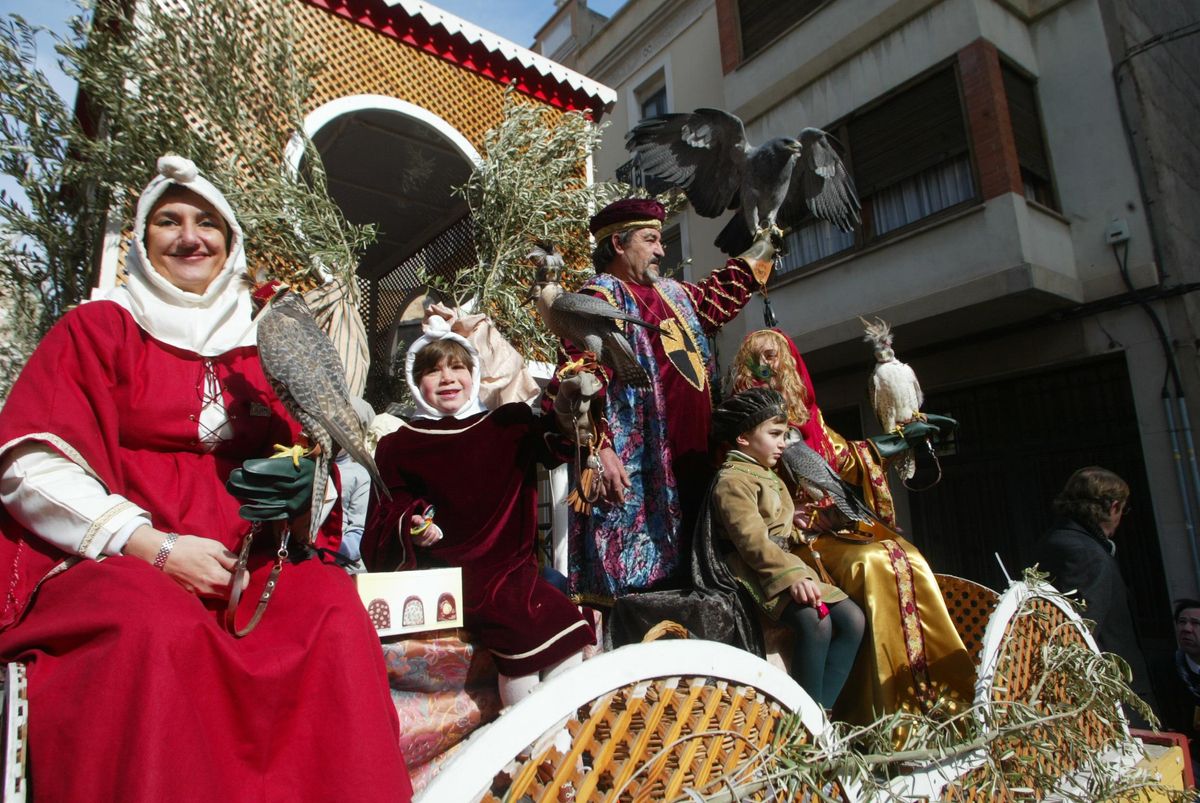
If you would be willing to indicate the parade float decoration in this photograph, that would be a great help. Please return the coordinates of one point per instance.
(693, 720)
(668, 720)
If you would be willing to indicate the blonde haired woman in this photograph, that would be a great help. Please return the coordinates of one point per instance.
(912, 658)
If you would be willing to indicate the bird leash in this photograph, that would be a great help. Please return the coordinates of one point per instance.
(589, 472)
(762, 269)
(240, 573)
(936, 462)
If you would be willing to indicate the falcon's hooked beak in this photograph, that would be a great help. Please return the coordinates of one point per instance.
(795, 146)
(267, 294)
(532, 295)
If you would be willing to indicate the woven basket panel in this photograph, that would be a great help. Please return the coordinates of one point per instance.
(970, 605)
(617, 749)
(360, 61)
(1018, 666)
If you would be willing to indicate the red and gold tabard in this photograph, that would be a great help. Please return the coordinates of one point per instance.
(660, 434)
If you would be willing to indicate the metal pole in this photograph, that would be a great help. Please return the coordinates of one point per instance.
(1180, 472)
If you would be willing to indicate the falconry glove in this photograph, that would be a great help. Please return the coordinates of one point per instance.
(573, 404)
(933, 428)
(760, 256)
(272, 488)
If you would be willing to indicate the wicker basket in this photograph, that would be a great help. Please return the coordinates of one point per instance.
(970, 605)
(643, 723)
(1011, 662)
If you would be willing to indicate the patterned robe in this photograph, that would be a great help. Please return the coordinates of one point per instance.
(914, 657)
(660, 433)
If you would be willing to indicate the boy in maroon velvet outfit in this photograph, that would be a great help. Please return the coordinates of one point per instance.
(476, 470)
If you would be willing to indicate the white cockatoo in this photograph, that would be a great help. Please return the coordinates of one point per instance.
(895, 393)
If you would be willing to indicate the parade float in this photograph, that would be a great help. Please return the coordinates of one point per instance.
(675, 718)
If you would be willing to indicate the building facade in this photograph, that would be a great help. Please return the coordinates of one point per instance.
(1027, 170)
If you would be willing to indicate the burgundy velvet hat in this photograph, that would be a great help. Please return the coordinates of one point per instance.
(627, 213)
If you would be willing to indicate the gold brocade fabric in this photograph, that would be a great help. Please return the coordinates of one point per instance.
(912, 657)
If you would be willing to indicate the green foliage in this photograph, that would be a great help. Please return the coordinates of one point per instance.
(1039, 742)
(222, 82)
(528, 186)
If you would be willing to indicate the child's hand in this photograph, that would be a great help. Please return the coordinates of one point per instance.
(806, 592)
(422, 529)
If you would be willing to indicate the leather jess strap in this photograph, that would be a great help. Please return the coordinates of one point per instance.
(240, 576)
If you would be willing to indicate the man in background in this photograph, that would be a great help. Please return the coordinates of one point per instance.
(1080, 555)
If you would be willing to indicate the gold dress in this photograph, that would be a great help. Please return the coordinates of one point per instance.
(912, 658)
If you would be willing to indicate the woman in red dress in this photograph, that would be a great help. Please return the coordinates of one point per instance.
(115, 445)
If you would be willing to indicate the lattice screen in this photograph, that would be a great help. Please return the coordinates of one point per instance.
(385, 299)
(361, 61)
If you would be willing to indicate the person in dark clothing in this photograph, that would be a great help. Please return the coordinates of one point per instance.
(1181, 710)
(1080, 555)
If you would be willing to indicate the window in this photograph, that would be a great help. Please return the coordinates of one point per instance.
(811, 241)
(654, 104)
(1027, 131)
(910, 159)
(672, 243)
(761, 21)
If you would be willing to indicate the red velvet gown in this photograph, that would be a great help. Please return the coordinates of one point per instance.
(479, 473)
(136, 691)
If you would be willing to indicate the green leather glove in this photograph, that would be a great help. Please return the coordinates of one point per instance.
(934, 428)
(272, 488)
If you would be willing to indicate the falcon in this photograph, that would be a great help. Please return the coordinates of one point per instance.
(706, 155)
(895, 392)
(588, 322)
(307, 375)
(808, 470)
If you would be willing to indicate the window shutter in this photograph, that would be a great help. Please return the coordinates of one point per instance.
(1026, 122)
(762, 21)
(913, 131)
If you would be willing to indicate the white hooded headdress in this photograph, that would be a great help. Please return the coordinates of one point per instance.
(439, 329)
(208, 324)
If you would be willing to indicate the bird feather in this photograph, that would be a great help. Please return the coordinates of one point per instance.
(706, 155)
(306, 372)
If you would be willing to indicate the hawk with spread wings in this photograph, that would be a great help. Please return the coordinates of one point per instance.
(706, 154)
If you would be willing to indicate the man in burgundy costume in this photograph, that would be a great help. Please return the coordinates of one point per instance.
(654, 441)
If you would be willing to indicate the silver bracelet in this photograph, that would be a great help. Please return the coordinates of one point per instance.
(164, 551)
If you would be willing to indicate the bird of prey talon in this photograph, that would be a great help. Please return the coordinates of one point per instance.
(705, 154)
(572, 367)
(293, 453)
(590, 323)
(307, 375)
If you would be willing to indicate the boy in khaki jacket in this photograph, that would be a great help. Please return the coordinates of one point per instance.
(753, 513)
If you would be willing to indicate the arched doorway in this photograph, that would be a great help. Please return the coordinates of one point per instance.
(395, 166)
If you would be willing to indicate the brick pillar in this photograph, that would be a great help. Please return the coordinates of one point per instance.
(988, 122)
(730, 35)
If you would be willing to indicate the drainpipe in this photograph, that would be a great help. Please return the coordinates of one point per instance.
(1184, 496)
(1185, 465)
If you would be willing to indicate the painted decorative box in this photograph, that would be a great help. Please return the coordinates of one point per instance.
(413, 601)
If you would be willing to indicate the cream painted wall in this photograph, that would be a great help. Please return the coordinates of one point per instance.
(679, 40)
(1089, 152)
